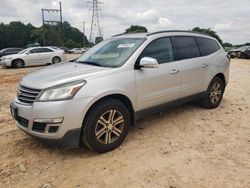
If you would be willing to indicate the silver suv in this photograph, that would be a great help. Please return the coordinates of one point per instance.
(95, 99)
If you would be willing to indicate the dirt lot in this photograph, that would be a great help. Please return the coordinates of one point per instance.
(187, 146)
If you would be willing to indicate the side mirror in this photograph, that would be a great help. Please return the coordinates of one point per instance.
(148, 62)
(27, 53)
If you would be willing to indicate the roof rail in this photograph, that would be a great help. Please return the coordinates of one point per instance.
(172, 31)
(118, 34)
(165, 31)
(126, 34)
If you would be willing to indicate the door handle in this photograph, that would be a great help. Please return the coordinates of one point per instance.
(204, 65)
(174, 71)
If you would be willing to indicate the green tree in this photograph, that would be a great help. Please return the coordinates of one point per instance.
(209, 32)
(69, 43)
(226, 44)
(17, 34)
(136, 29)
(98, 40)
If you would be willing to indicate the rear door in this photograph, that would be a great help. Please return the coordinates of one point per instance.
(158, 85)
(193, 68)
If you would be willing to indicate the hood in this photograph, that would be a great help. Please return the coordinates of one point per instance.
(13, 56)
(61, 73)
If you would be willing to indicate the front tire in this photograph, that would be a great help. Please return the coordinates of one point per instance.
(214, 93)
(105, 126)
(17, 63)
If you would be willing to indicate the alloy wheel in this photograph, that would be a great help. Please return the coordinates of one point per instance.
(109, 127)
(216, 93)
(56, 60)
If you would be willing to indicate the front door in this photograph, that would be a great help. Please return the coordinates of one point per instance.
(157, 86)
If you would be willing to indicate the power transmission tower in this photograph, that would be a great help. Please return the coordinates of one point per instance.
(95, 29)
(52, 21)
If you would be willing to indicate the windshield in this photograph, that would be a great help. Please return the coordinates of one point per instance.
(23, 51)
(111, 53)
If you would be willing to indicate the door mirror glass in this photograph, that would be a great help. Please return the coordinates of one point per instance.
(148, 62)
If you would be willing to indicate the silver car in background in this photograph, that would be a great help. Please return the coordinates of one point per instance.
(33, 56)
(95, 99)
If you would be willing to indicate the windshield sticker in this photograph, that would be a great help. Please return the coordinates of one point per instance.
(130, 45)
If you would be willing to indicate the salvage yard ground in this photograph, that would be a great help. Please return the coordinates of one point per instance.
(186, 146)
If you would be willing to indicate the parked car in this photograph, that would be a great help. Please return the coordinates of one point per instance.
(95, 99)
(33, 56)
(77, 51)
(243, 52)
(9, 51)
(65, 49)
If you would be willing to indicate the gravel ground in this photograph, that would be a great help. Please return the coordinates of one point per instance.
(186, 146)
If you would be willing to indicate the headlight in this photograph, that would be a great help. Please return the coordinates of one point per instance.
(7, 58)
(61, 92)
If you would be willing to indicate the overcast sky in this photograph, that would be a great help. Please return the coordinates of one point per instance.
(231, 19)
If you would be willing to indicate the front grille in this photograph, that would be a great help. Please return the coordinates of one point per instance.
(27, 95)
(22, 121)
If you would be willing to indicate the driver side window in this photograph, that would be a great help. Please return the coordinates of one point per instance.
(160, 49)
(33, 51)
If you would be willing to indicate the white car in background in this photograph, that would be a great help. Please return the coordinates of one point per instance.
(33, 56)
(77, 51)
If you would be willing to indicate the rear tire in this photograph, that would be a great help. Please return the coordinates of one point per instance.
(56, 60)
(105, 126)
(214, 94)
(17, 63)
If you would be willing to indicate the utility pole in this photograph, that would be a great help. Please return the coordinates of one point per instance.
(95, 29)
(83, 32)
(44, 40)
(51, 21)
(60, 4)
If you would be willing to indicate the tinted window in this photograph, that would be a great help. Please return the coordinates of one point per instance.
(207, 46)
(11, 50)
(185, 47)
(40, 50)
(160, 49)
(45, 50)
(33, 51)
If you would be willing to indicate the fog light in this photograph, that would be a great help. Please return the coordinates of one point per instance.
(49, 121)
(53, 129)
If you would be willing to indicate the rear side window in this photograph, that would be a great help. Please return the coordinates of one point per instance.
(160, 49)
(207, 46)
(10, 50)
(185, 47)
(46, 50)
(43, 50)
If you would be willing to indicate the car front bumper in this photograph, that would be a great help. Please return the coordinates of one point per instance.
(5, 62)
(55, 123)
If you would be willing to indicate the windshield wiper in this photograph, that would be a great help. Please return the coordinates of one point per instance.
(90, 63)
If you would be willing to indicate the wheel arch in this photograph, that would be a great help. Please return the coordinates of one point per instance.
(222, 77)
(124, 99)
